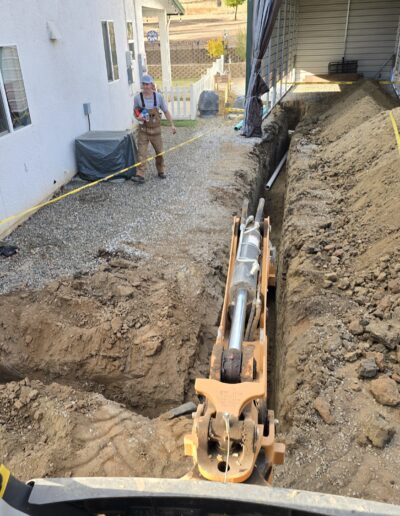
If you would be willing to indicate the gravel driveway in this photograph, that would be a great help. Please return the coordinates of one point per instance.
(65, 238)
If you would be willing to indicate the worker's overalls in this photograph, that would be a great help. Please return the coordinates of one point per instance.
(150, 132)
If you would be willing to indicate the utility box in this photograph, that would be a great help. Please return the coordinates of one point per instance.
(101, 153)
(87, 108)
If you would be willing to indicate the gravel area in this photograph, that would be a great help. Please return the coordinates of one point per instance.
(66, 237)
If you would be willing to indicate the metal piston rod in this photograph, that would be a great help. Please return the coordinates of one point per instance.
(239, 320)
(244, 284)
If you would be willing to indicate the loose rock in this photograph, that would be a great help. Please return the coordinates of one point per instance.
(378, 430)
(355, 328)
(116, 324)
(367, 368)
(323, 409)
(385, 391)
(388, 333)
(394, 286)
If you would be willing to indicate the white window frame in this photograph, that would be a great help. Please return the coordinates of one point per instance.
(4, 101)
(131, 40)
(108, 52)
(5, 108)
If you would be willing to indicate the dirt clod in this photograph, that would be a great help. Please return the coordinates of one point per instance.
(323, 409)
(385, 391)
(378, 431)
(367, 368)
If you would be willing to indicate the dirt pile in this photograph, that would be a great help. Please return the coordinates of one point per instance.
(55, 431)
(123, 331)
(339, 363)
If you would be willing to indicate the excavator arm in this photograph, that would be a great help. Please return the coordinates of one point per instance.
(233, 434)
(232, 429)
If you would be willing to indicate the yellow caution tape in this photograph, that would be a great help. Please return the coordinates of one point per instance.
(395, 129)
(94, 183)
(234, 110)
(4, 478)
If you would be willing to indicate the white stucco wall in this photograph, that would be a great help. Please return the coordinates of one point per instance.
(59, 77)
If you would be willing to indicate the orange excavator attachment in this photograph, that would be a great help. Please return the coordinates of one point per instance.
(233, 432)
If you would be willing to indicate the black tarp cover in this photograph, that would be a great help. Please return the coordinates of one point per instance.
(101, 153)
(265, 13)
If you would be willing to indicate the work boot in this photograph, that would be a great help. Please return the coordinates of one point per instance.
(138, 179)
(162, 175)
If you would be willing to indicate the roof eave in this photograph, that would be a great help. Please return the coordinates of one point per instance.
(178, 8)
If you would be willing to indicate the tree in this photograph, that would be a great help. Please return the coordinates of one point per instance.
(215, 47)
(235, 4)
(241, 45)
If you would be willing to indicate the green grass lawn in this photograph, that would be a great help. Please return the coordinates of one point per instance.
(180, 123)
(178, 82)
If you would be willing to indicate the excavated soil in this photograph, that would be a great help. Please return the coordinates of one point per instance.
(90, 364)
(338, 360)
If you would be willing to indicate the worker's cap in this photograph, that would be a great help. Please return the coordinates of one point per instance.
(147, 79)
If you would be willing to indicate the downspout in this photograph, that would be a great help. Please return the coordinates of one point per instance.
(346, 31)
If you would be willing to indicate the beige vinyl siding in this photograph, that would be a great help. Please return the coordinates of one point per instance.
(377, 22)
(320, 35)
(277, 66)
(371, 36)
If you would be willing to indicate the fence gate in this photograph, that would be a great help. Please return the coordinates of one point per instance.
(183, 101)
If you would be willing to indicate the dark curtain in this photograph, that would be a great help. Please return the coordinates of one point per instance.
(265, 13)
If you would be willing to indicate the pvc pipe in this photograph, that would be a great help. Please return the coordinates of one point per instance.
(268, 186)
(239, 319)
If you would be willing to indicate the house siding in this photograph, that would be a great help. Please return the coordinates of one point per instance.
(59, 76)
(371, 36)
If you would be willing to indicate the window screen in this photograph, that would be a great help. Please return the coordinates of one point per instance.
(14, 88)
(131, 41)
(3, 119)
(110, 50)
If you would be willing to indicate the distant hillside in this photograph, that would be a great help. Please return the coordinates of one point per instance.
(204, 20)
(211, 7)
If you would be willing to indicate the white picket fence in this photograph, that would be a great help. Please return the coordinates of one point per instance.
(183, 100)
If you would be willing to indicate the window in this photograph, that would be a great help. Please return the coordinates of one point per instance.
(131, 41)
(13, 97)
(110, 50)
(3, 118)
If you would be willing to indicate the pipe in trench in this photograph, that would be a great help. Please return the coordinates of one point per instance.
(271, 181)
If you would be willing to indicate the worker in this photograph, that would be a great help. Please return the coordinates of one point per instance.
(146, 110)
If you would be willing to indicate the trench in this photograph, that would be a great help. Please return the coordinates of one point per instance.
(101, 369)
(319, 358)
(98, 375)
(286, 120)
